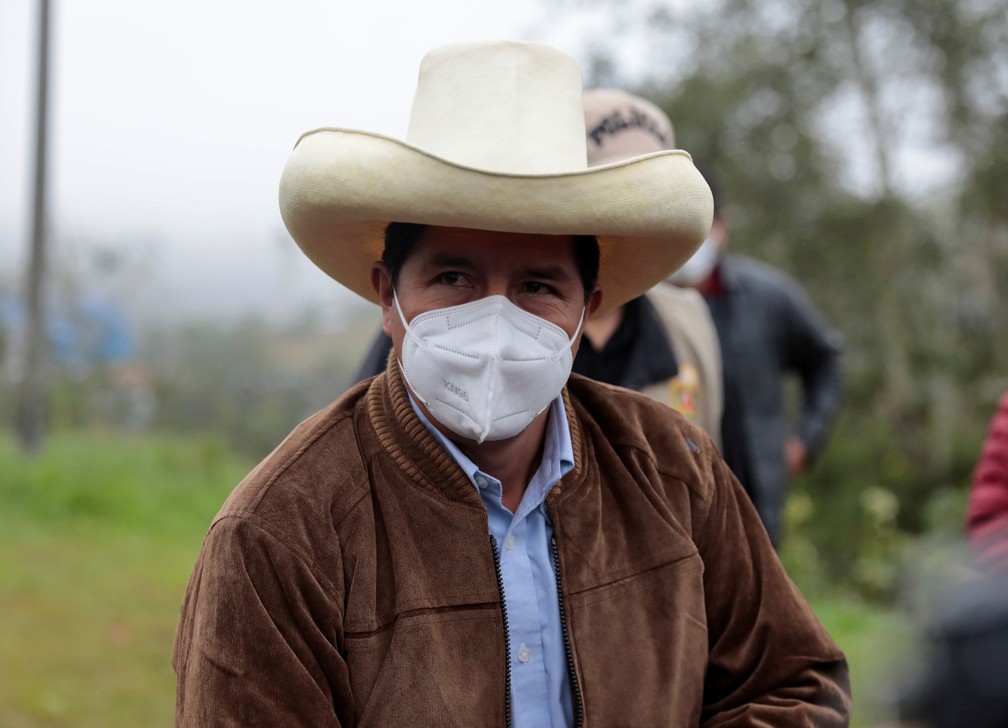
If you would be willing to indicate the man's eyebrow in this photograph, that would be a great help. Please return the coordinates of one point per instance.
(549, 273)
(449, 260)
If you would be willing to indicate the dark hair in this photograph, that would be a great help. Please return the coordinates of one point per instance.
(402, 237)
(586, 257)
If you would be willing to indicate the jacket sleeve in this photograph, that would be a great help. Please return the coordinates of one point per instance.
(813, 350)
(770, 661)
(987, 515)
(256, 642)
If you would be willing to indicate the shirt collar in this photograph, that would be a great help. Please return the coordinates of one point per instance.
(558, 450)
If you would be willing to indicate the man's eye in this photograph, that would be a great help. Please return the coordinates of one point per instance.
(537, 287)
(450, 278)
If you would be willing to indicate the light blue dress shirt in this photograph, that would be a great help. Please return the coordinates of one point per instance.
(540, 684)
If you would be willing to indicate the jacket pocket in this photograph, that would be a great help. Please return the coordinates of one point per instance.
(430, 668)
(635, 638)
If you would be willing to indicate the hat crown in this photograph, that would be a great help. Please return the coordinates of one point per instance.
(620, 126)
(506, 107)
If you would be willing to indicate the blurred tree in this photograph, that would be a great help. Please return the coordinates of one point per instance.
(31, 410)
(250, 381)
(862, 146)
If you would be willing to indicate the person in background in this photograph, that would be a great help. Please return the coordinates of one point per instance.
(662, 343)
(476, 536)
(959, 680)
(768, 329)
(987, 513)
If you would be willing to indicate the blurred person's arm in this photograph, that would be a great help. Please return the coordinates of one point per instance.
(795, 455)
(987, 514)
(813, 350)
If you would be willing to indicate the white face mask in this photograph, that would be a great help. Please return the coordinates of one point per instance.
(700, 264)
(485, 369)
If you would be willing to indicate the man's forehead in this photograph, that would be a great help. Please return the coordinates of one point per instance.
(537, 266)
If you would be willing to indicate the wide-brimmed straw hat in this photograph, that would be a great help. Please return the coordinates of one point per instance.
(496, 141)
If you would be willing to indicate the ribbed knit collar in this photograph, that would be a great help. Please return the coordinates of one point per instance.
(412, 448)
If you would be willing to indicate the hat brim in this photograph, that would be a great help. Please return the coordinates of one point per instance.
(341, 188)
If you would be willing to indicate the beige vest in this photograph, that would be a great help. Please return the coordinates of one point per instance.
(697, 391)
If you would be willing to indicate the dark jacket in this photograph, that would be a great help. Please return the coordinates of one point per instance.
(349, 581)
(768, 328)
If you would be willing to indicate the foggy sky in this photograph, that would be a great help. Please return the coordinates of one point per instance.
(171, 121)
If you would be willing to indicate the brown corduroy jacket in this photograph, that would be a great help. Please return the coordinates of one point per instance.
(349, 580)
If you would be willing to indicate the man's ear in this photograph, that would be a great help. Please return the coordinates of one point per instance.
(594, 301)
(381, 281)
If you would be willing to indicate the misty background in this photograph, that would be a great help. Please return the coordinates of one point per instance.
(861, 146)
(170, 124)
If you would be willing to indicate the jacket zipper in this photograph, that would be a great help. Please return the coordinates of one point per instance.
(575, 686)
(507, 632)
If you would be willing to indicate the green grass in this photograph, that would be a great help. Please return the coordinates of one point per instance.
(879, 645)
(97, 538)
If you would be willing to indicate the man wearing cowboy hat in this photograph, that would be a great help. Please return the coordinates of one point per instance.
(662, 343)
(471, 539)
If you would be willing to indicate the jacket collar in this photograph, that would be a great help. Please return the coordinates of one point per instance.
(411, 447)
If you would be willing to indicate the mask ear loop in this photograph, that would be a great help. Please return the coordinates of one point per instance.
(417, 339)
(570, 341)
(402, 317)
(578, 329)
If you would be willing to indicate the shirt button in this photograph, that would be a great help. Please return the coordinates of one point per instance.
(481, 481)
(524, 654)
(509, 542)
